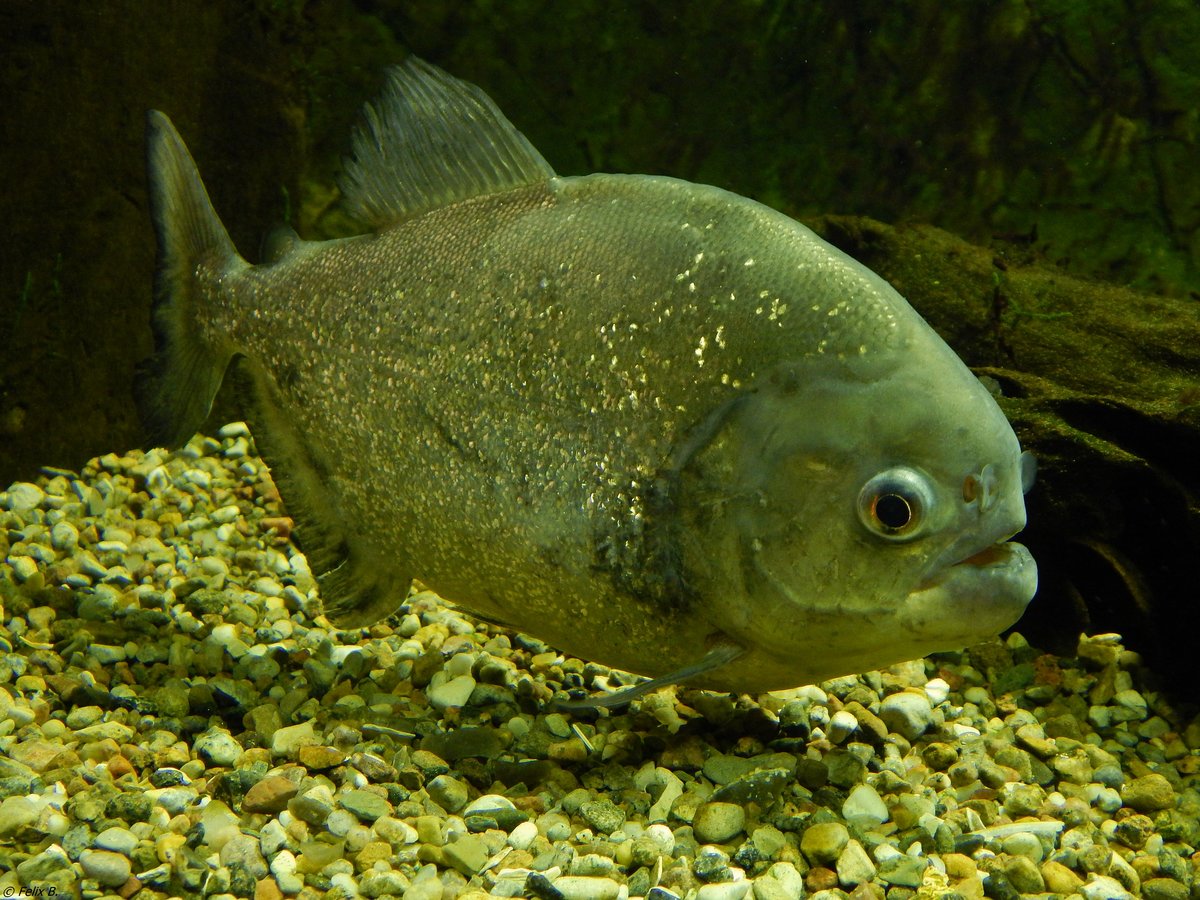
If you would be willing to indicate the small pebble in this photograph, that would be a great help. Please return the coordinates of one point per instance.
(468, 854)
(108, 868)
(824, 842)
(1101, 887)
(727, 890)
(23, 496)
(119, 840)
(448, 792)
(522, 837)
(454, 692)
(864, 807)
(218, 748)
(907, 713)
(854, 867)
(269, 795)
(716, 823)
(1150, 793)
(584, 887)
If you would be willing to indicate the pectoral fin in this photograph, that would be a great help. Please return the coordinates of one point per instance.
(718, 656)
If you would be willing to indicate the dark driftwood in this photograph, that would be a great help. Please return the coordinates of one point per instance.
(1103, 384)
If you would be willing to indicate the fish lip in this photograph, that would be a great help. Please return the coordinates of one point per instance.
(995, 554)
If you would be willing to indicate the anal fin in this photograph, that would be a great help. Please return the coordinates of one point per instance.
(358, 585)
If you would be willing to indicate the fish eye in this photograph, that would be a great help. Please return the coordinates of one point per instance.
(895, 503)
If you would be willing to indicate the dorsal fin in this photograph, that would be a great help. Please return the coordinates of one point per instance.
(279, 243)
(431, 140)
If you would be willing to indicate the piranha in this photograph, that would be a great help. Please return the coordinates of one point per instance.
(652, 423)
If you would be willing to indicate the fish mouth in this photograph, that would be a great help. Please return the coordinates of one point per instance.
(994, 549)
(996, 554)
(979, 593)
(1002, 571)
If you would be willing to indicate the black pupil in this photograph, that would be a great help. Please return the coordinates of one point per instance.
(893, 511)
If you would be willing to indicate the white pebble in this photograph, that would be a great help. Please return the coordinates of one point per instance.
(459, 664)
(1131, 700)
(226, 514)
(454, 692)
(287, 740)
(523, 836)
(485, 803)
(1101, 887)
(213, 565)
(239, 448)
(198, 477)
(24, 567)
(854, 867)
(106, 654)
(884, 852)
(864, 807)
(672, 791)
(158, 481)
(588, 887)
(64, 536)
(1024, 844)
(119, 840)
(346, 884)
(722, 890)
(340, 822)
(267, 587)
(284, 863)
(937, 690)
(907, 713)
(108, 868)
(22, 496)
(234, 430)
(89, 565)
(272, 838)
(842, 724)
(663, 838)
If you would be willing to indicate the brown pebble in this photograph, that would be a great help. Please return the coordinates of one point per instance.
(373, 852)
(42, 756)
(571, 750)
(687, 754)
(100, 751)
(1059, 879)
(119, 765)
(1164, 889)
(870, 726)
(130, 887)
(267, 889)
(319, 757)
(270, 795)
(1149, 793)
(252, 755)
(820, 878)
(281, 524)
(373, 767)
(867, 891)
(959, 865)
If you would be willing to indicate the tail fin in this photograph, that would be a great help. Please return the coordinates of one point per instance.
(176, 388)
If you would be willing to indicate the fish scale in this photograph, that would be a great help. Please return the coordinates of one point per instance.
(645, 420)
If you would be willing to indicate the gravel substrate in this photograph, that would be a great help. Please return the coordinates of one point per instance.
(177, 720)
